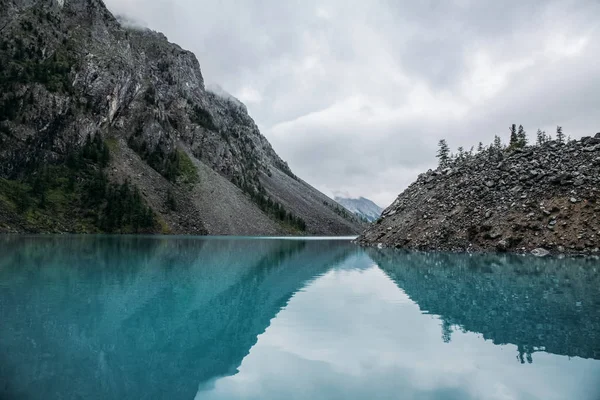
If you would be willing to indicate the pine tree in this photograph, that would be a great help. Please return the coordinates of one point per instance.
(521, 137)
(560, 136)
(443, 153)
(461, 153)
(514, 139)
(497, 143)
(541, 139)
(480, 147)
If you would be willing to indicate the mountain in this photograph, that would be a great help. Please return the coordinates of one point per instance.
(363, 208)
(108, 128)
(539, 198)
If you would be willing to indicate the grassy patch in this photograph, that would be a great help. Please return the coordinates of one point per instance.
(112, 144)
(175, 165)
(186, 168)
(15, 195)
(164, 228)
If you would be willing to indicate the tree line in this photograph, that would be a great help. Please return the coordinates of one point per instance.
(517, 140)
(77, 192)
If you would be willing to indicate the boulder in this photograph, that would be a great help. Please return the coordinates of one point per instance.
(539, 252)
(502, 245)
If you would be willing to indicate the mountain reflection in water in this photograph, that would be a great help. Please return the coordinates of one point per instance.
(549, 304)
(174, 317)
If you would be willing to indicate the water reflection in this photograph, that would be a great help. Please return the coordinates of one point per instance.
(153, 318)
(140, 317)
(537, 304)
(354, 334)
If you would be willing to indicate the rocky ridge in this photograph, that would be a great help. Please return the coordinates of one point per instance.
(71, 73)
(541, 199)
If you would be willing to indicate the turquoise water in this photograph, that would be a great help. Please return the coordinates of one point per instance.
(192, 318)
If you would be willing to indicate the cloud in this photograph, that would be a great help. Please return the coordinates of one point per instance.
(386, 351)
(355, 95)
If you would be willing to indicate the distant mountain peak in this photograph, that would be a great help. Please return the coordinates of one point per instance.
(362, 207)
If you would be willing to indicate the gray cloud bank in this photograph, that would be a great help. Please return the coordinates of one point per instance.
(356, 94)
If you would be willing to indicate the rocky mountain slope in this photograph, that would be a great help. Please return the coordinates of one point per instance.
(109, 129)
(363, 208)
(540, 197)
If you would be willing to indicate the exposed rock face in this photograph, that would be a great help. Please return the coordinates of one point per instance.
(542, 197)
(70, 71)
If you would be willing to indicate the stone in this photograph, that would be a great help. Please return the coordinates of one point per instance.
(573, 200)
(502, 245)
(493, 235)
(540, 252)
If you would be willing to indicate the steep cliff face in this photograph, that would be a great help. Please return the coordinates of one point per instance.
(540, 197)
(104, 128)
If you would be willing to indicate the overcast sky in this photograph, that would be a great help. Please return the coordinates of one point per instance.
(356, 94)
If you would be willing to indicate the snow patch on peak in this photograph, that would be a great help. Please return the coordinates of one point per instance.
(361, 207)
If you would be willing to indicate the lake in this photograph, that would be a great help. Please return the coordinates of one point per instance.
(101, 317)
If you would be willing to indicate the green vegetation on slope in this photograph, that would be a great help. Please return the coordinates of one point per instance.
(277, 210)
(25, 60)
(175, 165)
(76, 196)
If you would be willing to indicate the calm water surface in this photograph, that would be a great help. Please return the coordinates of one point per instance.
(191, 318)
